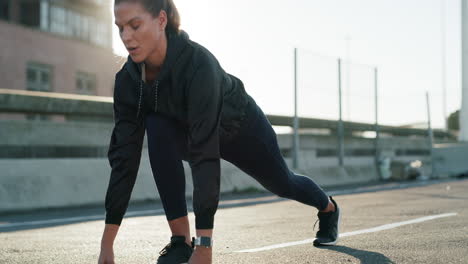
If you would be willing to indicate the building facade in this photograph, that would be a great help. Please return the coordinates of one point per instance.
(60, 46)
(463, 136)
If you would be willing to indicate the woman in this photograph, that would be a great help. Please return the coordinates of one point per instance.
(176, 91)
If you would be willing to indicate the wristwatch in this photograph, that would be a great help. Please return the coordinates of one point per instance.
(202, 241)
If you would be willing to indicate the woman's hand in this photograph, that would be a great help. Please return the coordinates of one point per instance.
(106, 256)
(201, 255)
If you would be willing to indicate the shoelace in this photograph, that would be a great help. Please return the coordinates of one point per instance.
(165, 250)
(315, 224)
(324, 225)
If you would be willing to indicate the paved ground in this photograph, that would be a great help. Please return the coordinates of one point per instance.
(418, 224)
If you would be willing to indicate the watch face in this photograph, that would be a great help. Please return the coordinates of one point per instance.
(203, 241)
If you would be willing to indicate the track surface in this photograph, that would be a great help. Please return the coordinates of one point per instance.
(423, 224)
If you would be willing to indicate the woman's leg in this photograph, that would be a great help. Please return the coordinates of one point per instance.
(255, 151)
(166, 141)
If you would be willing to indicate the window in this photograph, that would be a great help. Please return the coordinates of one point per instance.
(30, 13)
(4, 9)
(58, 20)
(38, 77)
(102, 34)
(86, 83)
(93, 30)
(84, 35)
(99, 32)
(44, 15)
(74, 23)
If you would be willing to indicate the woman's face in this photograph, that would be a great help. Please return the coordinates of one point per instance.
(141, 33)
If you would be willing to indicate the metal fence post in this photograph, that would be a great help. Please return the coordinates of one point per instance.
(430, 134)
(377, 131)
(296, 119)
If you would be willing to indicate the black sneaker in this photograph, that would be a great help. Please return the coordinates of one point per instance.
(328, 227)
(176, 252)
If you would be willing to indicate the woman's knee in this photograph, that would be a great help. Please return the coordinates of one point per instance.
(282, 188)
(283, 192)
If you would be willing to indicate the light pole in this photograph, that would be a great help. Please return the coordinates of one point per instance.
(444, 60)
(340, 128)
(296, 118)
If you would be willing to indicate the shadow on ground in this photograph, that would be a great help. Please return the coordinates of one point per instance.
(366, 257)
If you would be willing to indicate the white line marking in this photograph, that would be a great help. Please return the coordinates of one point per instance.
(353, 233)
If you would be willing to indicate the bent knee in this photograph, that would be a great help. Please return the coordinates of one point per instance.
(283, 190)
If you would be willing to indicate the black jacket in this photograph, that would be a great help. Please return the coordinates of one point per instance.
(193, 89)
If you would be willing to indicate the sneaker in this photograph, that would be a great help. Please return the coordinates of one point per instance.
(328, 227)
(176, 252)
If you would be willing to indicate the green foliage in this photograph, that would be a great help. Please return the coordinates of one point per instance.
(453, 121)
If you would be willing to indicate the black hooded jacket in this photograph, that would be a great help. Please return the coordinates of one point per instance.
(193, 89)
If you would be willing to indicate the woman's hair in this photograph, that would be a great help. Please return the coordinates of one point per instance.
(154, 7)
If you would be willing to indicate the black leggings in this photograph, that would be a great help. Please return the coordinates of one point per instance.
(254, 150)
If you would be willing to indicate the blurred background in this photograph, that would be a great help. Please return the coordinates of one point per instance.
(358, 91)
(415, 44)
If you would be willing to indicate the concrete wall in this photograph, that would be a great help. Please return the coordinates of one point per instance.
(46, 164)
(47, 183)
(450, 160)
(35, 183)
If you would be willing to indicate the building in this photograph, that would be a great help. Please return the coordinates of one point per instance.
(60, 46)
(463, 136)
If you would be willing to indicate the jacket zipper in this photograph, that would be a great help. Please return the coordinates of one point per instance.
(139, 100)
(156, 86)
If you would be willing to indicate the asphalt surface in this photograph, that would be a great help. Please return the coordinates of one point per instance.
(390, 223)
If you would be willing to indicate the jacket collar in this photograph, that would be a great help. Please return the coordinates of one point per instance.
(175, 44)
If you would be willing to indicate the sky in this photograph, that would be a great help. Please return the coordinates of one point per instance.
(401, 40)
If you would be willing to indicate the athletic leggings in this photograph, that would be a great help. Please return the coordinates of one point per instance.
(253, 149)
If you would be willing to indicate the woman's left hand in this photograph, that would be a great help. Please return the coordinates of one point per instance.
(201, 255)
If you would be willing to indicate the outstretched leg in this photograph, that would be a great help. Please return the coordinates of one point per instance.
(255, 151)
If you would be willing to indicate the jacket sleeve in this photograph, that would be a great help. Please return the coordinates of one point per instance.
(204, 100)
(124, 156)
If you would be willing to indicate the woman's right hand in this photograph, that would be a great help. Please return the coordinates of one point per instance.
(106, 256)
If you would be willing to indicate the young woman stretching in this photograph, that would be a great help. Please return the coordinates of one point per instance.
(192, 110)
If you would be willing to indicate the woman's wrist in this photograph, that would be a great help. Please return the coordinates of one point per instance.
(106, 245)
(108, 236)
(202, 255)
